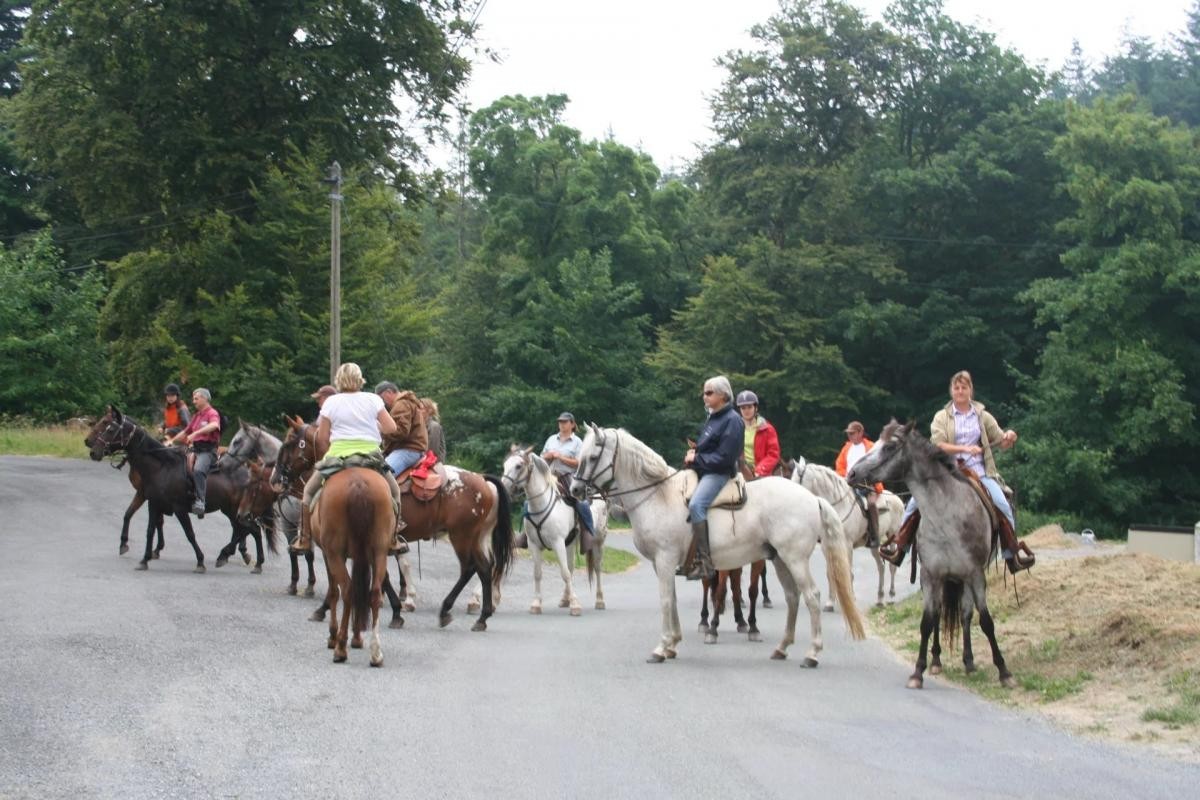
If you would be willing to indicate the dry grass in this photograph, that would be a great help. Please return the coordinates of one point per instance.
(1105, 645)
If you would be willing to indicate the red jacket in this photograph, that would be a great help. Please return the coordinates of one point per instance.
(840, 464)
(766, 448)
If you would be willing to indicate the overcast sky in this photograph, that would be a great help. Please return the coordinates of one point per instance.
(644, 69)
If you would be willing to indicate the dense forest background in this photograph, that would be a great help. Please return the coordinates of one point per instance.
(885, 203)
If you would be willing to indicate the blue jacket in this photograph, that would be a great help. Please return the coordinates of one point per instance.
(721, 442)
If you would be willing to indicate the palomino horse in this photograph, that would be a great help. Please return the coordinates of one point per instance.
(548, 524)
(825, 482)
(781, 520)
(353, 519)
(472, 509)
(166, 485)
(956, 542)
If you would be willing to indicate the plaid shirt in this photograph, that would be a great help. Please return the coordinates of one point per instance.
(967, 432)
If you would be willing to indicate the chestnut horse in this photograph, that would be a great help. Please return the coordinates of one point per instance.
(732, 579)
(473, 510)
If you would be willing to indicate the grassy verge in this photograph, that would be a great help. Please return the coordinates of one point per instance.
(26, 439)
(1104, 645)
(614, 561)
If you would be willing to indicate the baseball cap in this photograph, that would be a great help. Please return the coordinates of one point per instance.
(324, 391)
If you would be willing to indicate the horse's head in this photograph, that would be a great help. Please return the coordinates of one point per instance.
(297, 454)
(258, 496)
(597, 461)
(891, 459)
(243, 446)
(517, 468)
(110, 434)
(796, 467)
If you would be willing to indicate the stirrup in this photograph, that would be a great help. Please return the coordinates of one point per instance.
(891, 552)
(1022, 559)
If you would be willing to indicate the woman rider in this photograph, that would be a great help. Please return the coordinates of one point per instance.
(350, 423)
(715, 460)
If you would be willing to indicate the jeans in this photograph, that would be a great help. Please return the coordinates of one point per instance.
(710, 486)
(204, 462)
(400, 460)
(994, 491)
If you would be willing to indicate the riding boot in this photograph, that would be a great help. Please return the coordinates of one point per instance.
(303, 542)
(872, 525)
(1017, 554)
(894, 549)
(399, 543)
(701, 566)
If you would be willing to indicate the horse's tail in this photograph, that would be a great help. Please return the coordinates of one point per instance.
(360, 528)
(952, 593)
(835, 546)
(502, 534)
(270, 534)
(595, 557)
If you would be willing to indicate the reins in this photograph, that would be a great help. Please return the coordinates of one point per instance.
(591, 482)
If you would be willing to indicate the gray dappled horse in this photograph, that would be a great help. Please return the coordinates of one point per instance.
(956, 542)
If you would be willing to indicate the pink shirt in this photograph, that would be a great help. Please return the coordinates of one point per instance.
(202, 418)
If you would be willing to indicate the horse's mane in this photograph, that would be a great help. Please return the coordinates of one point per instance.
(923, 446)
(647, 464)
(827, 480)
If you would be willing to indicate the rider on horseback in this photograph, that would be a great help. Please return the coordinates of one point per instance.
(203, 433)
(406, 446)
(561, 452)
(175, 412)
(715, 460)
(350, 423)
(761, 451)
(858, 445)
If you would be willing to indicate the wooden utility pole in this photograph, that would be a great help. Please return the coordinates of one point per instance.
(335, 270)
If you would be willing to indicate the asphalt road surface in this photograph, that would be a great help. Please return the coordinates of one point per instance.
(116, 683)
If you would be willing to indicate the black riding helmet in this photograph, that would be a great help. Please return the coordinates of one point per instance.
(172, 388)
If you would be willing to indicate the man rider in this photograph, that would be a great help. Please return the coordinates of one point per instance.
(561, 452)
(203, 433)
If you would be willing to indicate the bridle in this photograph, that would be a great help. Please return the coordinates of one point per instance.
(283, 466)
(537, 518)
(113, 445)
(592, 481)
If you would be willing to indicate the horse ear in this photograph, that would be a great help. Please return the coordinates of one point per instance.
(116, 412)
(529, 450)
(297, 422)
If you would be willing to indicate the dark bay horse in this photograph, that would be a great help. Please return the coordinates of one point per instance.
(473, 510)
(166, 486)
(955, 546)
(729, 581)
(354, 520)
(264, 503)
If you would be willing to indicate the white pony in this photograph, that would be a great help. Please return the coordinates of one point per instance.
(548, 524)
(825, 482)
(781, 521)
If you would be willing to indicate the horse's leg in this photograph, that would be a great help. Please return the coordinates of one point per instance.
(705, 589)
(892, 586)
(566, 569)
(236, 540)
(393, 599)
(340, 629)
(735, 579)
(295, 559)
(968, 611)
(535, 552)
(756, 570)
(256, 532)
(408, 590)
(138, 499)
(378, 577)
(766, 597)
(935, 665)
(928, 625)
(326, 604)
(664, 570)
(802, 586)
(483, 569)
(989, 630)
(312, 575)
(718, 606)
(155, 514)
(186, 522)
(879, 566)
(466, 571)
(599, 587)
(161, 543)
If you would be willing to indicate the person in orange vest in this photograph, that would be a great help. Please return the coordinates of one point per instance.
(858, 445)
(175, 412)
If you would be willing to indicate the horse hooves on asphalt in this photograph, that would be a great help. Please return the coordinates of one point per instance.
(142, 565)
(743, 627)
(915, 682)
(702, 627)
(124, 549)
(754, 636)
(246, 558)
(655, 658)
(309, 592)
(356, 644)
(200, 569)
(479, 626)
(378, 663)
(671, 654)
(600, 605)
(154, 555)
(936, 669)
(575, 612)
(339, 658)
(710, 638)
(257, 570)
(317, 616)
(778, 655)
(535, 609)
(396, 623)
(222, 561)
(809, 663)
(444, 620)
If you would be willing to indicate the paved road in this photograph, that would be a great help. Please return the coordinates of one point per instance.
(170, 684)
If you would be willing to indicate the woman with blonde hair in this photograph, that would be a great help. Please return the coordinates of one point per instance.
(351, 423)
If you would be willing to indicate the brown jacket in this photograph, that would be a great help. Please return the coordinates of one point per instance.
(941, 431)
(410, 425)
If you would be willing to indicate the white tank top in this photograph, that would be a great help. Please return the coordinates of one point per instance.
(353, 415)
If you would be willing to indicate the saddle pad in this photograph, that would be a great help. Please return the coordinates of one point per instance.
(732, 494)
(977, 485)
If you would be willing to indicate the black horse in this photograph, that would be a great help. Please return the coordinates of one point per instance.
(167, 487)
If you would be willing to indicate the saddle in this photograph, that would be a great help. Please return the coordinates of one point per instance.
(424, 480)
(331, 465)
(732, 495)
(994, 514)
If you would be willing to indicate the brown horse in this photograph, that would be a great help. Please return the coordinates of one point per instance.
(472, 509)
(353, 519)
(732, 579)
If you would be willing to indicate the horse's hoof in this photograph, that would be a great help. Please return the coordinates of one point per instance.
(222, 561)
(200, 570)
(702, 627)
(377, 662)
(479, 626)
(935, 669)
(710, 638)
(124, 549)
(246, 558)
(408, 606)
(535, 609)
(472, 607)
(754, 636)
(257, 570)
(969, 667)
(292, 589)
(154, 555)
(356, 644)
(576, 611)
(1008, 681)
(879, 604)
(142, 565)
(767, 604)
(655, 658)
(778, 655)
(331, 644)
(670, 654)
(743, 627)
(600, 605)
(339, 657)
(445, 620)
(309, 591)
(809, 662)
(316, 616)
(396, 623)
(915, 682)
(827, 608)
(564, 603)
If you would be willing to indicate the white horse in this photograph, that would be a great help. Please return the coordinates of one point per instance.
(825, 482)
(548, 525)
(781, 521)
